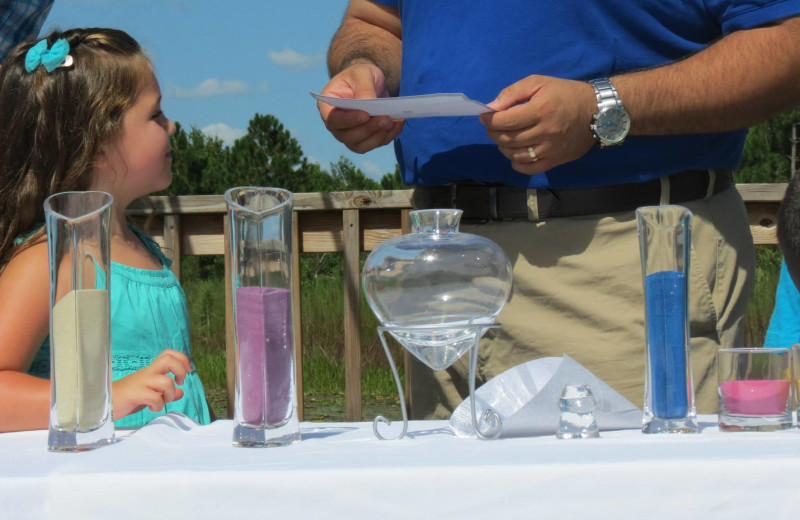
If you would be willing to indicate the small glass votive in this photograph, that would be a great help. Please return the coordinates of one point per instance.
(754, 389)
(577, 413)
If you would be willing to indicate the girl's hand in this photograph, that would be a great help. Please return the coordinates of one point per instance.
(151, 386)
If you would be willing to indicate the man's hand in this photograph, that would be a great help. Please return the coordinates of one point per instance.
(546, 115)
(356, 129)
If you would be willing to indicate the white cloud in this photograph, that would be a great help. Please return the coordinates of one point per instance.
(224, 132)
(214, 87)
(294, 60)
(372, 170)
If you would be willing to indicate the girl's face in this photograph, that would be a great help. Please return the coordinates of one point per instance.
(138, 162)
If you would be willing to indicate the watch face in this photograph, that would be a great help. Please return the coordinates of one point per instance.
(612, 125)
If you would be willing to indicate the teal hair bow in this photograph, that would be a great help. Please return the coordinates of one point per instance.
(51, 58)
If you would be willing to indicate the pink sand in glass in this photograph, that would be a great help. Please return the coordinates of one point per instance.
(755, 397)
(264, 331)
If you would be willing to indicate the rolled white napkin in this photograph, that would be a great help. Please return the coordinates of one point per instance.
(527, 399)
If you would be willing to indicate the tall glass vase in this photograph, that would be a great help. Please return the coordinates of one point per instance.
(260, 229)
(665, 246)
(78, 240)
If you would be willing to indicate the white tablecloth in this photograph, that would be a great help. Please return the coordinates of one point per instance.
(340, 470)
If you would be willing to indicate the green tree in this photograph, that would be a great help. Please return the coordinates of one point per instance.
(199, 163)
(268, 155)
(768, 150)
(317, 179)
(351, 178)
(393, 181)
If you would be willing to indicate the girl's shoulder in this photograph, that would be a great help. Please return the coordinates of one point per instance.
(25, 279)
(30, 261)
(27, 271)
(25, 304)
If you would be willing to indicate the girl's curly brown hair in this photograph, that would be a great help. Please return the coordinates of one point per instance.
(52, 124)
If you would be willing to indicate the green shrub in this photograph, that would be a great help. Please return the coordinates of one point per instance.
(768, 266)
(206, 304)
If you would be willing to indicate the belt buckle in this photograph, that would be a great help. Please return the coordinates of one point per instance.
(540, 203)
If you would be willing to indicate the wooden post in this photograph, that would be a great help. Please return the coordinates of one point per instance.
(793, 158)
(405, 227)
(172, 242)
(296, 321)
(230, 360)
(352, 315)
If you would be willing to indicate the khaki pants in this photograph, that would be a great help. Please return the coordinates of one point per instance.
(578, 291)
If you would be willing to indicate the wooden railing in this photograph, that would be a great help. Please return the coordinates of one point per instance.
(347, 222)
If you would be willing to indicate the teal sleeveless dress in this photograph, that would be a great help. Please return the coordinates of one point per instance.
(148, 315)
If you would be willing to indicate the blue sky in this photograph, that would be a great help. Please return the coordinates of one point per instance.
(221, 62)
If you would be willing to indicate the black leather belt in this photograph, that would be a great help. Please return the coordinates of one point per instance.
(483, 202)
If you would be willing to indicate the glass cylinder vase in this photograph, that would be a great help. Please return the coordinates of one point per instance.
(665, 246)
(78, 240)
(260, 229)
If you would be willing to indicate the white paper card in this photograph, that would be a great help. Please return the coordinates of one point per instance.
(526, 397)
(407, 107)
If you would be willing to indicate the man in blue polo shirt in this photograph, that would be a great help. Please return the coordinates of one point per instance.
(601, 107)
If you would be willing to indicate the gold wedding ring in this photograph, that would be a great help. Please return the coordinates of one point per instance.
(532, 153)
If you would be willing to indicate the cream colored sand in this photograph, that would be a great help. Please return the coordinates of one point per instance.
(81, 350)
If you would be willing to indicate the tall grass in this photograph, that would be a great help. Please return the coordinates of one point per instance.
(206, 303)
(322, 333)
(322, 308)
(768, 267)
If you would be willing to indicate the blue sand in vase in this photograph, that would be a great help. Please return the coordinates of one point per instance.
(665, 295)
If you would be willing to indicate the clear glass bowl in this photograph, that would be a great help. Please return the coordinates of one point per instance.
(435, 287)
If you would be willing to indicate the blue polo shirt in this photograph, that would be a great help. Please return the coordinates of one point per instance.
(479, 47)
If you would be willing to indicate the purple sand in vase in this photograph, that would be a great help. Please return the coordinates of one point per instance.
(264, 332)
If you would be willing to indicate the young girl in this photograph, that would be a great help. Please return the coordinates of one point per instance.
(80, 110)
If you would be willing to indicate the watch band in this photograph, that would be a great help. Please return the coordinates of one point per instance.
(606, 94)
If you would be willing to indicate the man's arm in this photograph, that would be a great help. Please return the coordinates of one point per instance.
(370, 33)
(739, 81)
(364, 62)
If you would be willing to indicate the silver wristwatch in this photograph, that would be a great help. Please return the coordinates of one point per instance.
(611, 123)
